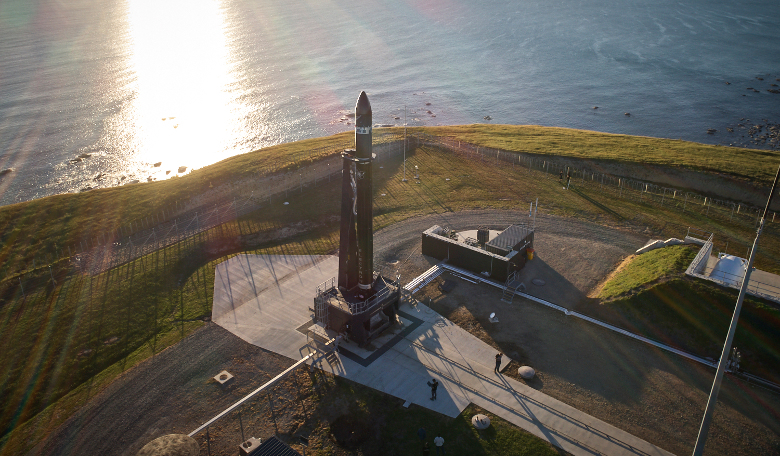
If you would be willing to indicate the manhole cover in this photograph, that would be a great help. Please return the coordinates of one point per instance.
(223, 377)
(538, 282)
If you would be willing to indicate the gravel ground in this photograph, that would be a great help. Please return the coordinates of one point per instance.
(575, 254)
(653, 395)
(170, 393)
(642, 390)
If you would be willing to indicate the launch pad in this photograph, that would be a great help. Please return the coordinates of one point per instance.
(361, 315)
(360, 303)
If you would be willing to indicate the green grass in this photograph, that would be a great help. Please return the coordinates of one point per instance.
(26, 435)
(393, 428)
(694, 315)
(49, 226)
(63, 335)
(649, 268)
(749, 164)
(652, 296)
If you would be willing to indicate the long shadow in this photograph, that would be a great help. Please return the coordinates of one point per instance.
(604, 208)
(554, 286)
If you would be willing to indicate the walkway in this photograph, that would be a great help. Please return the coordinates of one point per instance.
(425, 345)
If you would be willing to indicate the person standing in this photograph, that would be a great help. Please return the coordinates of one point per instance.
(421, 434)
(337, 342)
(498, 363)
(439, 442)
(433, 384)
(426, 449)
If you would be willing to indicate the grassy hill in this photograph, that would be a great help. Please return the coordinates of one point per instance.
(63, 340)
(750, 164)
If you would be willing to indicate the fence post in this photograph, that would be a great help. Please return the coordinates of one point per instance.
(241, 423)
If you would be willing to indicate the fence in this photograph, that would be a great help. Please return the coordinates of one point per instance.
(622, 187)
(204, 212)
(238, 406)
(230, 201)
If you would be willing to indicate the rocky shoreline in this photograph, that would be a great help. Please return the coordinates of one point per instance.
(764, 134)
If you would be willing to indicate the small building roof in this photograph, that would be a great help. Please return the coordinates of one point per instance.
(510, 237)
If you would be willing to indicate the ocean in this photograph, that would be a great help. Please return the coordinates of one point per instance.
(102, 93)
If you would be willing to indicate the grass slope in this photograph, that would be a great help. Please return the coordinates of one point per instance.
(648, 268)
(652, 296)
(750, 164)
(50, 225)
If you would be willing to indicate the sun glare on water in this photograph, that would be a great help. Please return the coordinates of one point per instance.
(181, 112)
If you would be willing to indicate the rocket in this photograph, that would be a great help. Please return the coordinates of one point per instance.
(356, 253)
(365, 197)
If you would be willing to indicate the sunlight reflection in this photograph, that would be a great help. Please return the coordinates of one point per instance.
(181, 113)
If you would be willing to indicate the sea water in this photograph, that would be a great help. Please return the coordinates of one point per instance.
(96, 93)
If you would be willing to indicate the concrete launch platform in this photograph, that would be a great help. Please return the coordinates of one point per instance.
(265, 300)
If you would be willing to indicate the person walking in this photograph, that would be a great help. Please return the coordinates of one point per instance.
(498, 363)
(439, 442)
(433, 384)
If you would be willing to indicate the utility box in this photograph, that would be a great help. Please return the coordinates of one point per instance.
(249, 447)
(483, 235)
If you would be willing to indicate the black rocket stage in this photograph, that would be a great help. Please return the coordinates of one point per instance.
(363, 303)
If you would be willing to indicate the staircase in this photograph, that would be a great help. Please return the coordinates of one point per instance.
(424, 279)
(512, 286)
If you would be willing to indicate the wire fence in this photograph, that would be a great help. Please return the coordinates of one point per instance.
(621, 186)
(301, 173)
(204, 212)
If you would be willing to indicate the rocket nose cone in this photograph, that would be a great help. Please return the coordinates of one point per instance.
(363, 106)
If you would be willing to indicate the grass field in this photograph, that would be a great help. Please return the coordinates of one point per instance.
(82, 330)
(749, 164)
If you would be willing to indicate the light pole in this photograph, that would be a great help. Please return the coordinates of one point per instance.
(404, 179)
(701, 440)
